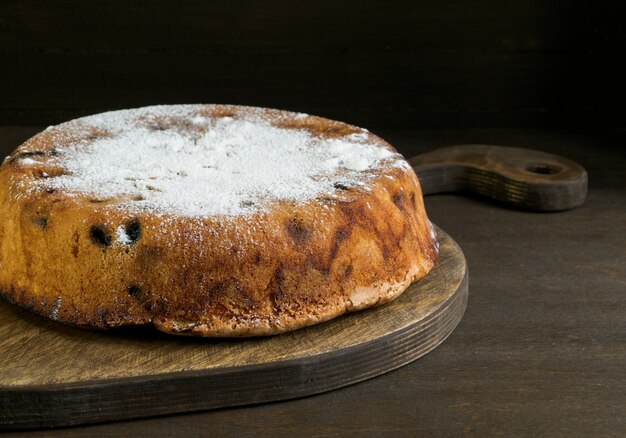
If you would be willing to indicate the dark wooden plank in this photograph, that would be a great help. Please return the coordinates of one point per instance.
(362, 87)
(351, 79)
(404, 64)
(245, 24)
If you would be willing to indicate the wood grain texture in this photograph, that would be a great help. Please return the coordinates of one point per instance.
(520, 177)
(55, 375)
(151, 24)
(404, 63)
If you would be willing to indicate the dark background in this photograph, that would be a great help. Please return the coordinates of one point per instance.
(416, 64)
(542, 346)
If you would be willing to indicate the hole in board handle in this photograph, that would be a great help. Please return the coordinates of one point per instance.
(543, 168)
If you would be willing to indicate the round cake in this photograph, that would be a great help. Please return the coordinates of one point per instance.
(208, 220)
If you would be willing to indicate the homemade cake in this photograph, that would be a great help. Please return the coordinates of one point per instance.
(208, 220)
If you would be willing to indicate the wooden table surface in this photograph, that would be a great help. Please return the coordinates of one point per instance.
(541, 350)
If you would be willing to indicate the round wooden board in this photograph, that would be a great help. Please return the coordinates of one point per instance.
(55, 375)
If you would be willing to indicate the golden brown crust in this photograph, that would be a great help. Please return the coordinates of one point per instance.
(285, 267)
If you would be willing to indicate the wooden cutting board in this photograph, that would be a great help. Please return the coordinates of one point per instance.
(55, 375)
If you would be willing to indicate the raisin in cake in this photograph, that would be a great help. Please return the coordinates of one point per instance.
(208, 220)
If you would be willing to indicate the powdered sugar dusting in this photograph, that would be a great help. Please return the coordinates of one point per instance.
(200, 166)
(122, 236)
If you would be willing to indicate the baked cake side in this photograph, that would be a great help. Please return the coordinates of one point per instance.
(257, 257)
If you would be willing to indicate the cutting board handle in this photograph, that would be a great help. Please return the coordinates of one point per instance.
(524, 178)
